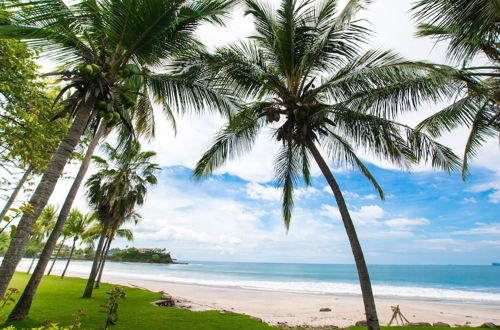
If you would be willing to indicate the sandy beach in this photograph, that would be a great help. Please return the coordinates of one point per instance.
(303, 309)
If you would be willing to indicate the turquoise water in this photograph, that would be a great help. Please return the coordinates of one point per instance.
(463, 284)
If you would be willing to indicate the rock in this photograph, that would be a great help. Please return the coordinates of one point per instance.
(422, 324)
(257, 319)
(325, 309)
(490, 325)
(282, 325)
(361, 323)
(440, 324)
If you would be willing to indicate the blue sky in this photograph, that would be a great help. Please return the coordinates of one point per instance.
(429, 217)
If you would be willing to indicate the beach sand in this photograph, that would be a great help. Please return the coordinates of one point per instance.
(303, 309)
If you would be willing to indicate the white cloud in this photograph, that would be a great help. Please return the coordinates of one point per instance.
(351, 195)
(494, 197)
(481, 229)
(257, 191)
(402, 223)
(468, 200)
(365, 215)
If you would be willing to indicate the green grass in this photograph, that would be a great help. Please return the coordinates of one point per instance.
(58, 300)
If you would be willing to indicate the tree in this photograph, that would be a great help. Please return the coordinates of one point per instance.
(101, 44)
(116, 230)
(116, 190)
(28, 134)
(40, 231)
(472, 29)
(305, 76)
(76, 226)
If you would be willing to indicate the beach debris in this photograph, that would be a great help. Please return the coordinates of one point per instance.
(166, 300)
(258, 319)
(396, 313)
(490, 325)
(361, 323)
(421, 324)
(440, 324)
(325, 309)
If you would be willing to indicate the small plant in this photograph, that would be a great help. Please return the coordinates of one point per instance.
(8, 299)
(111, 305)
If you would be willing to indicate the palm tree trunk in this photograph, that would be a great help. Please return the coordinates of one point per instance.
(103, 261)
(57, 256)
(364, 277)
(97, 258)
(14, 194)
(32, 261)
(24, 304)
(69, 257)
(42, 194)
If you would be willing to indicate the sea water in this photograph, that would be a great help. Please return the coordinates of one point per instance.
(455, 284)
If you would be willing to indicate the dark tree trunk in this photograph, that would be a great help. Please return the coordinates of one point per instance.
(364, 277)
(42, 194)
(97, 259)
(57, 256)
(69, 257)
(24, 304)
(103, 261)
(14, 194)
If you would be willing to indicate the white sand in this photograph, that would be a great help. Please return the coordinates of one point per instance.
(303, 309)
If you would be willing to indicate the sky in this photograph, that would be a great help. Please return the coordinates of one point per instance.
(428, 217)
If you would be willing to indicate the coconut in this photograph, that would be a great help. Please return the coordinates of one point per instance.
(101, 113)
(102, 105)
(109, 116)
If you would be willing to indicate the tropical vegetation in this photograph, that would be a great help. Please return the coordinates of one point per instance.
(306, 77)
(472, 32)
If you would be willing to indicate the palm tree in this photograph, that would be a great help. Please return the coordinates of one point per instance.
(102, 43)
(42, 227)
(76, 226)
(114, 192)
(471, 28)
(116, 230)
(305, 76)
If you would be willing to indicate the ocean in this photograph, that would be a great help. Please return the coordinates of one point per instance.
(454, 284)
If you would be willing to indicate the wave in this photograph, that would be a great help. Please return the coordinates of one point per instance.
(331, 288)
(385, 291)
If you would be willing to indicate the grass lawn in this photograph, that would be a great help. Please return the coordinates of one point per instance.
(58, 300)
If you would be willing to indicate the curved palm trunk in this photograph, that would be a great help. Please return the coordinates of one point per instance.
(42, 194)
(364, 277)
(21, 310)
(69, 257)
(97, 259)
(57, 256)
(103, 262)
(14, 194)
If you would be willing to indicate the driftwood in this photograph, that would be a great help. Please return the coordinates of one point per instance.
(396, 313)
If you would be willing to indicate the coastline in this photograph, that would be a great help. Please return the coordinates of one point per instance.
(301, 309)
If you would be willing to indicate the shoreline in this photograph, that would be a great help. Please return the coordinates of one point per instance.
(303, 309)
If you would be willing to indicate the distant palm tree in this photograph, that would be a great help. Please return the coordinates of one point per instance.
(75, 227)
(102, 43)
(471, 27)
(304, 75)
(41, 230)
(116, 190)
(116, 231)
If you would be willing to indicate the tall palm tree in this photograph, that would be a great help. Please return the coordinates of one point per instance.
(116, 190)
(305, 76)
(471, 28)
(102, 43)
(76, 226)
